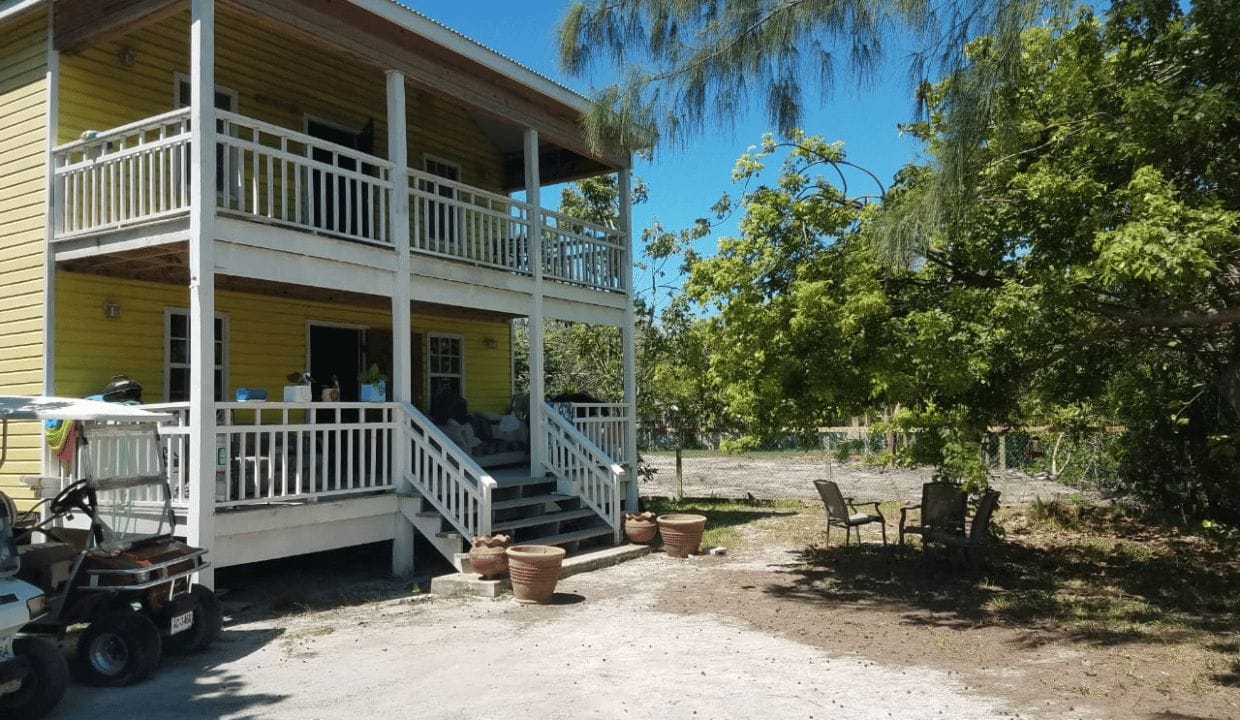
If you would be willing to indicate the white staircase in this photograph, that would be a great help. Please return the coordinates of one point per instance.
(453, 499)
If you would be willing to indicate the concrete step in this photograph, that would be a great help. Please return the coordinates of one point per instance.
(544, 519)
(526, 501)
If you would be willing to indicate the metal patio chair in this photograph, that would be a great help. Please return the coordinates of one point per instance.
(842, 511)
(942, 510)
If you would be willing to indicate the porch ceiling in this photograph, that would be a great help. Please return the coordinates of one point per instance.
(168, 264)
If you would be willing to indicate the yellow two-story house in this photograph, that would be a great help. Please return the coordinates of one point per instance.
(212, 196)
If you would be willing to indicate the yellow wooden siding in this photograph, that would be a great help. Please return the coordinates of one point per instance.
(279, 79)
(23, 135)
(267, 338)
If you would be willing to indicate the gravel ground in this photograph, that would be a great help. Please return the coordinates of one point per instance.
(791, 475)
(605, 650)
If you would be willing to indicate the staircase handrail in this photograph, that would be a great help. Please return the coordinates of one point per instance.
(447, 476)
(604, 472)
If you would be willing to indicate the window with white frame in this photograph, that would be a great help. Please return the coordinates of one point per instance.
(178, 355)
(227, 173)
(445, 365)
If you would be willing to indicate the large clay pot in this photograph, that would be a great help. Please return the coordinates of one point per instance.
(640, 528)
(487, 555)
(534, 570)
(682, 533)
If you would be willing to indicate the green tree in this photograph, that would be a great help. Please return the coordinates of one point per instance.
(1092, 277)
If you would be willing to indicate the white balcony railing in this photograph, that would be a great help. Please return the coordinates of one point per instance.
(133, 174)
(453, 220)
(583, 253)
(291, 178)
(139, 173)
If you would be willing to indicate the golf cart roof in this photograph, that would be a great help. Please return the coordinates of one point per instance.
(45, 407)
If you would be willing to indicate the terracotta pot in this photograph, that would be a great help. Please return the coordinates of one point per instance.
(534, 570)
(487, 555)
(640, 528)
(682, 533)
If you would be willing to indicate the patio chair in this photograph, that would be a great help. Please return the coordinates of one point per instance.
(843, 511)
(942, 509)
(975, 544)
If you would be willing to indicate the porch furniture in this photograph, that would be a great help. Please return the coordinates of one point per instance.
(973, 546)
(843, 511)
(942, 509)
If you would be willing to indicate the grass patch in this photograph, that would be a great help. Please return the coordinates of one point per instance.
(730, 523)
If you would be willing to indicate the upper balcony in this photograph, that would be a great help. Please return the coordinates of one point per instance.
(137, 175)
(308, 119)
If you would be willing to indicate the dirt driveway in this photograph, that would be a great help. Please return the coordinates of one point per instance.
(608, 651)
(753, 634)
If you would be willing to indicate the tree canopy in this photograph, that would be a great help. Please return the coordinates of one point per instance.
(1089, 273)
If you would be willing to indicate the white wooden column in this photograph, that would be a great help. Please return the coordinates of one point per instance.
(533, 196)
(625, 183)
(51, 204)
(201, 531)
(402, 351)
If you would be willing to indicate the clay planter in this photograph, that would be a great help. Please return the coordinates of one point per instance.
(682, 533)
(534, 570)
(640, 528)
(487, 555)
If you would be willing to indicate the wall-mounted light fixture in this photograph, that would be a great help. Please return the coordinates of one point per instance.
(126, 56)
(489, 342)
(111, 310)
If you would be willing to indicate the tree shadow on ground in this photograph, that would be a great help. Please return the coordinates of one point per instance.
(1101, 591)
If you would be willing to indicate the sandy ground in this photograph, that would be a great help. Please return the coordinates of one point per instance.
(611, 647)
(791, 475)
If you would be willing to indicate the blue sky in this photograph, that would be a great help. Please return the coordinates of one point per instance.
(684, 183)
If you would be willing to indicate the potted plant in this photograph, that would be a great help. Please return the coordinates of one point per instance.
(534, 570)
(487, 555)
(373, 384)
(640, 527)
(682, 533)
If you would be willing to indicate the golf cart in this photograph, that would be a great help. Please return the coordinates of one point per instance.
(32, 670)
(104, 552)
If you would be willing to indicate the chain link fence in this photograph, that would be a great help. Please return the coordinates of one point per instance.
(868, 465)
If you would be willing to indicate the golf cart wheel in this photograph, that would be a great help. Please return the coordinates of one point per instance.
(43, 687)
(208, 621)
(121, 647)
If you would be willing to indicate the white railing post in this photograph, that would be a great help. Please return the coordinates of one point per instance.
(201, 530)
(538, 433)
(628, 340)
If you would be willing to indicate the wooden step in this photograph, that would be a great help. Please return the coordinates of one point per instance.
(565, 538)
(534, 500)
(505, 483)
(546, 519)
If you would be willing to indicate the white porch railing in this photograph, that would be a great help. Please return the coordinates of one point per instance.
(295, 179)
(294, 451)
(604, 424)
(446, 476)
(132, 174)
(580, 252)
(453, 220)
(573, 458)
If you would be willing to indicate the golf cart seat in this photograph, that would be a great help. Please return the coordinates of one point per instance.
(47, 564)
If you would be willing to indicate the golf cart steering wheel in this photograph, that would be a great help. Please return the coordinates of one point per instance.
(71, 498)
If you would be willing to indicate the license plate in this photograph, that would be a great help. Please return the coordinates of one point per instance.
(181, 623)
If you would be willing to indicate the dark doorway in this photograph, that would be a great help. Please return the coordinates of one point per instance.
(335, 359)
(339, 203)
